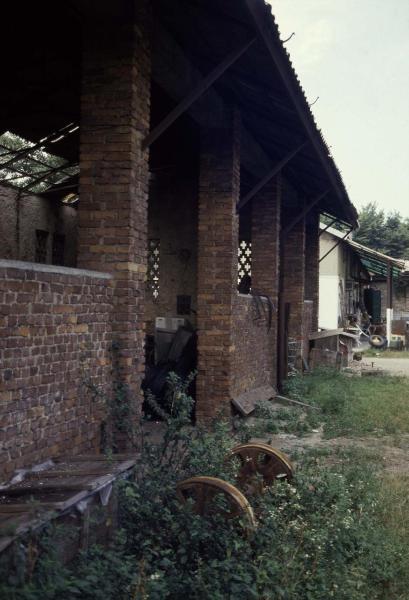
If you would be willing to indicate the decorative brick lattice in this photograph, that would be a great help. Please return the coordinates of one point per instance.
(153, 267)
(244, 270)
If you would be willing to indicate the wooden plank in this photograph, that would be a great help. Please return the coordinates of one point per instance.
(317, 335)
(71, 473)
(93, 457)
(328, 358)
(296, 402)
(246, 402)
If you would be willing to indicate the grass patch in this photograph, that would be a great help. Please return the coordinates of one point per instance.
(393, 515)
(327, 534)
(353, 406)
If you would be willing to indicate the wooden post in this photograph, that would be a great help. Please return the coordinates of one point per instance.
(389, 286)
(198, 91)
(389, 302)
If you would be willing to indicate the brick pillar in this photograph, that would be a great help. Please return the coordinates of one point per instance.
(115, 108)
(265, 262)
(294, 278)
(219, 188)
(312, 253)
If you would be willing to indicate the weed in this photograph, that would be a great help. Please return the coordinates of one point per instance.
(326, 535)
(358, 405)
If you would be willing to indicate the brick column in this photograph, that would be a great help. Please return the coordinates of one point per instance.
(265, 262)
(312, 253)
(115, 108)
(219, 188)
(294, 276)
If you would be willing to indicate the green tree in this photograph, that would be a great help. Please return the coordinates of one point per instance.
(387, 233)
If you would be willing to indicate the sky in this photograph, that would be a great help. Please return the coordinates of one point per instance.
(354, 56)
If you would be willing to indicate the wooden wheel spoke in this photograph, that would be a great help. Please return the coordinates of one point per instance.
(215, 496)
(261, 460)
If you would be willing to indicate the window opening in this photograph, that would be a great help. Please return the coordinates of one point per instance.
(244, 270)
(41, 244)
(153, 267)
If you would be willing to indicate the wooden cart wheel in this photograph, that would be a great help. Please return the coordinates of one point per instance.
(261, 465)
(211, 495)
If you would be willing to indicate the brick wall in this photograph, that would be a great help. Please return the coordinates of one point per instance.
(312, 251)
(253, 362)
(219, 189)
(115, 112)
(22, 215)
(54, 326)
(400, 298)
(173, 221)
(294, 276)
(255, 345)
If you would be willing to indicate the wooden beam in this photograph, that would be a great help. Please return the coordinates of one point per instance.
(259, 13)
(196, 93)
(304, 212)
(274, 171)
(327, 227)
(335, 245)
(389, 286)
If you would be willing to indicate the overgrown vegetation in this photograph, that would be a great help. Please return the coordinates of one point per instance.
(356, 405)
(328, 534)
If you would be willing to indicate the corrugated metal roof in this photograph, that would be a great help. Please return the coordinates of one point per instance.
(374, 261)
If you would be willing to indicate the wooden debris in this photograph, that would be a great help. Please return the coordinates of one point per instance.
(246, 403)
(280, 398)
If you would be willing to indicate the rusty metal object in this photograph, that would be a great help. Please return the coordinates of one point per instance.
(211, 495)
(261, 465)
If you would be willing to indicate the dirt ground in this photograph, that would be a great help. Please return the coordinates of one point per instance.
(392, 366)
(393, 451)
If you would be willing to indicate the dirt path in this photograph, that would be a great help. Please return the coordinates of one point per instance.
(393, 452)
(392, 366)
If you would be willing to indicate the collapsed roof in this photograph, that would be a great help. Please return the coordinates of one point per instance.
(44, 82)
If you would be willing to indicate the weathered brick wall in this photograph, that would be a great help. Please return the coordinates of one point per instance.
(115, 112)
(173, 221)
(255, 344)
(23, 214)
(400, 298)
(54, 331)
(312, 251)
(253, 351)
(294, 275)
(219, 189)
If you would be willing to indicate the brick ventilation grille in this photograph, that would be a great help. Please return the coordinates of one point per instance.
(294, 352)
(153, 267)
(244, 271)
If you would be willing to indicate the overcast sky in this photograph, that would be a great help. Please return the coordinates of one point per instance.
(354, 55)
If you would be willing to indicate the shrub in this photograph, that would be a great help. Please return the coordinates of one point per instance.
(317, 538)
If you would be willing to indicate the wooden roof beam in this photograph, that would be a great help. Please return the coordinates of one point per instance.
(200, 89)
(304, 212)
(335, 245)
(258, 12)
(274, 171)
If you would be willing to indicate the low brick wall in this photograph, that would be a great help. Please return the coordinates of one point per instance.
(254, 352)
(55, 330)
